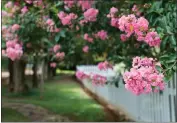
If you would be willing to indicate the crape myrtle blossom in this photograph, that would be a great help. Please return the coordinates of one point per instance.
(102, 35)
(91, 15)
(24, 10)
(56, 48)
(13, 50)
(81, 75)
(66, 19)
(105, 65)
(69, 3)
(85, 49)
(112, 12)
(88, 38)
(139, 27)
(143, 77)
(85, 4)
(9, 4)
(60, 55)
(15, 27)
(96, 78)
(53, 65)
(50, 22)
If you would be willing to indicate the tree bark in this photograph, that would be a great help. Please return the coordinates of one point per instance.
(35, 78)
(18, 78)
(11, 71)
(42, 79)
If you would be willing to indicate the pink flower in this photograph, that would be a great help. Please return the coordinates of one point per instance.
(98, 79)
(91, 14)
(112, 12)
(102, 35)
(9, 4)
(105, 65)
(50, 22)
(143, 76)
(135, 9)
(56, 48)
(29, 1)
(15, 27)
(13, 50)
(85, 49)
(88, 38)
(85, 4)
(123, 37)
(53, 65)
(3, 52)
(153, 39)
(24, 10)
(115, 22)
(60, 56)
(69, 4)
(126, 23)
(66, 19)
(81, 75)
(4, 13)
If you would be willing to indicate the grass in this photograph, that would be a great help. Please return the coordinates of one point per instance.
(65, 98)
(10, 115)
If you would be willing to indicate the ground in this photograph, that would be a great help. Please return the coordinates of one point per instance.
(62, 96)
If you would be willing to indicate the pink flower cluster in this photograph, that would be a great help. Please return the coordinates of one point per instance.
(24, 10)
(85, 49)
(36, 3)
(87, 4)
(88, 38)
(56, 48)
(139, 27)
(143, 77)
(66, 19)
(112, 12)
(96, 79)
(102, 35)
(91, 15)
(105, 65)
(69, 3)
(51, 26)
(13, 50)
(81, 75)
(53, 65)
(15, 27)
(60, 55)
(135, 9)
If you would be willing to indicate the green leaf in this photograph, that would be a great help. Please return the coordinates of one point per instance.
(62, 33)
(159, 69)
(173, 40)
(57, 37)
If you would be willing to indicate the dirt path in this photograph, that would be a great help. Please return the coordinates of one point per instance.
(35, 113)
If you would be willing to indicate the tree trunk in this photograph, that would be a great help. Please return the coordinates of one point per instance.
(45, 70)
(35, 78)
(11, 82)
(18, 78)
(42, 79)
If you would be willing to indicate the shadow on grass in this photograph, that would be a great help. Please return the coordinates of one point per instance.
(65, 98)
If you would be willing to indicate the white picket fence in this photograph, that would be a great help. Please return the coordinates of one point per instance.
(153, 107)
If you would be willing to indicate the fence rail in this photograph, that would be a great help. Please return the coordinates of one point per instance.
(154, 107)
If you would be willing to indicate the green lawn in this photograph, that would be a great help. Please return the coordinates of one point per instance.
(65, 98)
(10, 115)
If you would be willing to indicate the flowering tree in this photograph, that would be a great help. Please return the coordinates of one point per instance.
(75, 32)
